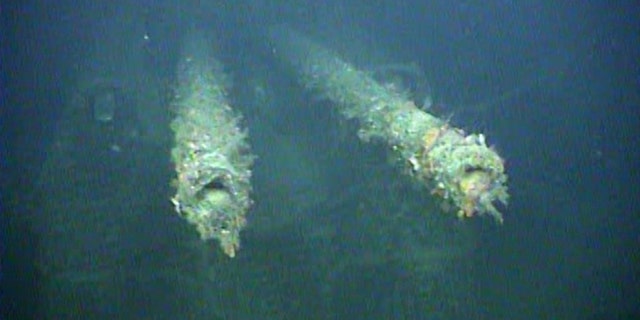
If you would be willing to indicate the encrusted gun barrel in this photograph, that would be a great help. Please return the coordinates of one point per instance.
(211, 154)
(459, 168)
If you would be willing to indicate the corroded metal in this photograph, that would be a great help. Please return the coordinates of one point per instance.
(459, 168)
(211, 154)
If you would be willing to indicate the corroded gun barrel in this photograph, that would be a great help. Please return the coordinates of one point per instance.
(457, 167)
(211, 155)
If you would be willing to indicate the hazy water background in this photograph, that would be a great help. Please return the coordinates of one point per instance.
(554, 86)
